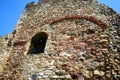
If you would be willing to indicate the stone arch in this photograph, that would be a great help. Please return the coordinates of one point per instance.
(38, 43)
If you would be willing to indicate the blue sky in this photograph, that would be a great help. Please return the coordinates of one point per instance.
(10, 11)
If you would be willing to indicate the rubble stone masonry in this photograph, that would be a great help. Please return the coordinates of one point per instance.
(63, 40)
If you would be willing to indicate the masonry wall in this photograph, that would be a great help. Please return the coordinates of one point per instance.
(83, 41)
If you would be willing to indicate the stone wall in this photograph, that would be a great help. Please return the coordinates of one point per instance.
(5, 48)
(83, 42)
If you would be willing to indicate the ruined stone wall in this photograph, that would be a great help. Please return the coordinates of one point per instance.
(5, 49)
(83, 42)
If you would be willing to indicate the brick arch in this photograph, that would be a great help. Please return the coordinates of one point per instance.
(89, 18)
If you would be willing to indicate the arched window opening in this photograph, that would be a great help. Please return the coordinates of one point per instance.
(38, 43)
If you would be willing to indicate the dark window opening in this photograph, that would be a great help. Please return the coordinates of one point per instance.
(38, 43)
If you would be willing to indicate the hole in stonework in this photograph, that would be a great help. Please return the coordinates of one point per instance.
(74, 76)
(72, 38)
(89, 31)
(38, 43)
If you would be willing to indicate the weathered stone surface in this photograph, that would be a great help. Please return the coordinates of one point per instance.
(81, 42)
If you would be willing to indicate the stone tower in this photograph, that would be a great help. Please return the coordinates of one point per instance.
(63, 40)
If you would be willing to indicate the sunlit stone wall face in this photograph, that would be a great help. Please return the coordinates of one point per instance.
(81, 41)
